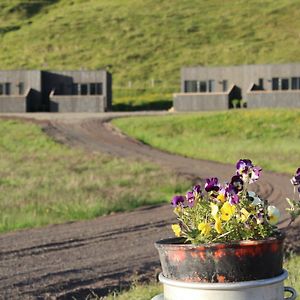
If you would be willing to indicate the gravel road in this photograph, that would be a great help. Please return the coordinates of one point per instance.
(70, 260)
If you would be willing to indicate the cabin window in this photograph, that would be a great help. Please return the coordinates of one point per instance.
(190, 86)
(93, 88)
(211, 85)
(284, 83)
(225, 85)
(295, 83)
(202, 86)
(83, 89)
(275, 84)
(21, 88)
(99, 90)
(7, 88)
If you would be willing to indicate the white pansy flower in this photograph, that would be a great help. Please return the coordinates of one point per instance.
(273, 214)
(256, 200)
(251, 194)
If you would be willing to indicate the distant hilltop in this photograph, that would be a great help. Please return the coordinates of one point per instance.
(144, 40)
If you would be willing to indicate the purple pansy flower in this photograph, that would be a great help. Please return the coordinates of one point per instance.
(178, 199)
(232, 195)
(212, 185)
(234, 199)
(243, 166)
(197, 189)
(296, 179)
(190, 196)
(237, 183)
(194, 195)
(247, 170)
(255, 173)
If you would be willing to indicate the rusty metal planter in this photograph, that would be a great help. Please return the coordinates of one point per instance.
(221, 262)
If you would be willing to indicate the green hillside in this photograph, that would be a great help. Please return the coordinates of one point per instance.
(147, 39)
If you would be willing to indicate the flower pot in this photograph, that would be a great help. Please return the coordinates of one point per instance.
(221, 262)
(267, 289)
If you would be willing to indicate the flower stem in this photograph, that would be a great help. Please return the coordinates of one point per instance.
(222, 235)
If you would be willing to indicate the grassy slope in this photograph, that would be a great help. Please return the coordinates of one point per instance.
(146, 39)
(42, 182)
(270, 137)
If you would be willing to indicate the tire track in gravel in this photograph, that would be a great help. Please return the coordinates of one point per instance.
(70, 260)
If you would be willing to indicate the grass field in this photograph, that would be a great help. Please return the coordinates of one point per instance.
(271, 138)
(146, 40)
(43, 182)
(146, 292)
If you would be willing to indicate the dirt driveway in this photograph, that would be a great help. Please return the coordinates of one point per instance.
(70, 260)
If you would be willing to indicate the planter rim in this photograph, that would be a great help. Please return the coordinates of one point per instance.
(180, 242)
(224, 286)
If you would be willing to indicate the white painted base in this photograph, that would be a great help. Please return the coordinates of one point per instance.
(267, 289)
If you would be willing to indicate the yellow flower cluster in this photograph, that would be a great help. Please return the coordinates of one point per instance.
(223, 214)
(176, 229)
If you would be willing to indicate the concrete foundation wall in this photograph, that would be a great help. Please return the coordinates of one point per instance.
(13, 104)
(200, 102)
(77, 103)
(273, 99)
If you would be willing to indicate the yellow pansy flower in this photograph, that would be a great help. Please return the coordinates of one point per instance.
(227, 211)
(244, 215)
(204, 228)
(221, 197)
(218, 225)
(177, 210)
(177, 230)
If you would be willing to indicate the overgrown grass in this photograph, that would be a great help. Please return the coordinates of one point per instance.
(270, 137)
(146, 292)
(135, 102)
(146, 39)
(43, 182)
(137, 292)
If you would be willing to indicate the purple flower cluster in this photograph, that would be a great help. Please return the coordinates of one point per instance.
(190, 198)
(247, 170)
(231, 192)
(296, 179)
